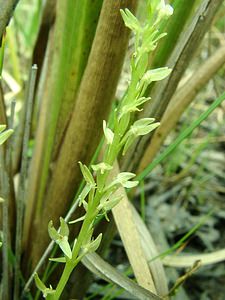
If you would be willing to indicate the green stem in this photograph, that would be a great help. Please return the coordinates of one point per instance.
(62, 282)
(91, 214)
(70, 265)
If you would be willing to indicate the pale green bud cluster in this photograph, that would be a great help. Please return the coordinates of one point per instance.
(164, 10)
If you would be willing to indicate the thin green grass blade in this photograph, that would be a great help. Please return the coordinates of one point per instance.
(143, 200)
(185, 237)
(181, 138)
(2, 50)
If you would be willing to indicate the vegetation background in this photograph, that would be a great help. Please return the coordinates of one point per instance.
(81, 49)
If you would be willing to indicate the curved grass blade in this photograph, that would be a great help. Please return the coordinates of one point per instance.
(188, 131)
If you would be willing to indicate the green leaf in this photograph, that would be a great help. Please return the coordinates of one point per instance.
(155, 75)
(109, 135)
(5, 135)
(87, 175)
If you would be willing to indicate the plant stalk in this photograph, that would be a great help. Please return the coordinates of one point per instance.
(22, 187)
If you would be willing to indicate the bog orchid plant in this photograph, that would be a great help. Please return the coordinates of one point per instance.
(97, 196)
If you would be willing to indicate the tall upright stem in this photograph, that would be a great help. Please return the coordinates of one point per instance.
(23, 176)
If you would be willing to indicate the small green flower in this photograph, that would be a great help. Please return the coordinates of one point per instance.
(87, 175)
(109, 135)
(133, 106)
(155, 75)
(107, 204)
(143, 126)
(92, 245)
(61, 237)
(102, 167)
(123, 179)
(164, 10)
(140, 127)
(42, 287)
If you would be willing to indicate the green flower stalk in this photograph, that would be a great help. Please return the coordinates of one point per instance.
(98, 197)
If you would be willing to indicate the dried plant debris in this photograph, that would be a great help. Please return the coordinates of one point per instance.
(185, 188)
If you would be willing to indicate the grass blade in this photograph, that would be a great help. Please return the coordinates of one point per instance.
(100, 267)
(126, 225)
(5, 181)
(180, 102)
(23, 176)
(181, 137)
